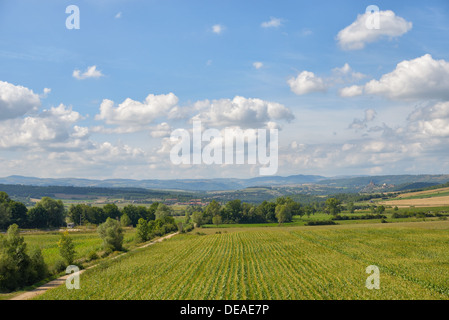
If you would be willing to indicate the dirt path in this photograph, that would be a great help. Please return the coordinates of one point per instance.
(61, 280)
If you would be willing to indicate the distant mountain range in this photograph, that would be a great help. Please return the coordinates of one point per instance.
(175, 184)
(221, 184)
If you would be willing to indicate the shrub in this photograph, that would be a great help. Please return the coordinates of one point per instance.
(92, 255)
(59, 266)
(320, 223)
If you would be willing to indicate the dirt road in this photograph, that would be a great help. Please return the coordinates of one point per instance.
(61, 280)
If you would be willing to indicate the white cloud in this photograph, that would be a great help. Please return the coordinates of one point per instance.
(91, 72)
(430, 120)
(118, 15)
(351, 91)
(272, 23)
(347, 73)
(257, 65)
(15, 101)
(218, 28)
(131, 113)
(51, 126)
(420, 78)
(306, 82)
(241, 112)
(161, 130)
(359, 124)
(357, 35)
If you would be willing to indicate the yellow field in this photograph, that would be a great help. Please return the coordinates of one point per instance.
(411, 194)
(426, 202)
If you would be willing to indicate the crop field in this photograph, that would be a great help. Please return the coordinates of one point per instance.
(279, 263)
(427, 198)
(419, 202)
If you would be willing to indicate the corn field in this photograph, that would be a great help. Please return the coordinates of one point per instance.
(277, 263)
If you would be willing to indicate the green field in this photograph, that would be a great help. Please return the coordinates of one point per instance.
(85, 242)
(325, 262)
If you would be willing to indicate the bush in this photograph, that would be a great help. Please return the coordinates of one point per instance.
(92, 255)
(59, 266)
(187, 228)
(112, 235)
(321, 223)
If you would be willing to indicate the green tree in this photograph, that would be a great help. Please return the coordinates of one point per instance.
(111, 211)
(283, 213)
(217, 220)
(125, 220)
(40, 268)
(55, 211)
(211, 210)
(37, 217)
(309, 210)
(197, 218)
(142, 233)
(15, 270)
(5, 215)
(112, 234)
(333, 206)
(66, 248)
(187, 217)
(380, 209)
(233, 211)
(163, 211)
(350, 207)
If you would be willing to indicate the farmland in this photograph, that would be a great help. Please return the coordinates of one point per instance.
(427, 198)
(85, 242)
(326, 262)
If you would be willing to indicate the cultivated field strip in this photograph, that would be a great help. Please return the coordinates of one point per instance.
(276, 264)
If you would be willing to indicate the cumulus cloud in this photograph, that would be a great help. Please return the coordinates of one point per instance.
(15, 101)
(218, 28)
(420, 78)
(351, 91)
(241, 112)
(131, 113)
(272, 23)
(306, 82)
(357, 35)
(161, 130)
(347, 74)
(257, 65)
(417, 79)
(430, 120)
(91, 72)
(51, 126)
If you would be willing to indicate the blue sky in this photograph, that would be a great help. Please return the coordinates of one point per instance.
(299, 56)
